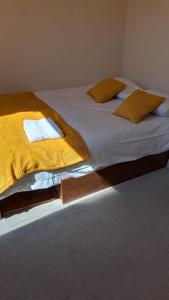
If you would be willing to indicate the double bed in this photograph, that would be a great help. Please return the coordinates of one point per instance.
(111, 140)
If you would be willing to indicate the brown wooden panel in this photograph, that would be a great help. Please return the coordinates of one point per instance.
(75, 188)
(26, 200)
(72, 189)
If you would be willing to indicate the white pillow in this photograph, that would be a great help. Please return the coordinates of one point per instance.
(163, 109)
(130, 88)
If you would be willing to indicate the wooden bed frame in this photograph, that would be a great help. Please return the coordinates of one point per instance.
(75, 188)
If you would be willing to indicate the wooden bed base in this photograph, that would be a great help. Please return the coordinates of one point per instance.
(75, 188)
(26, 200)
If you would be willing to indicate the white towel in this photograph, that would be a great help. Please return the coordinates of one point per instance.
(38, 130)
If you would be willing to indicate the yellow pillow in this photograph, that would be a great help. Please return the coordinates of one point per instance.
(138, 105)
(105, 90)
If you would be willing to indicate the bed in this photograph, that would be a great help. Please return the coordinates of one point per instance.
(111, 140)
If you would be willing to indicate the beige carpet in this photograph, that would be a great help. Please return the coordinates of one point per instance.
(110, 246)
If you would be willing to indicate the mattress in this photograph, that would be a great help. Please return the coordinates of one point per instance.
(110, 139)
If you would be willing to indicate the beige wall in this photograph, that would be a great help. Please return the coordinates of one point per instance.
(146, 45)
(51, 43)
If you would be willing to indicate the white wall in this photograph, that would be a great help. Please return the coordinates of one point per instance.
(51, 43)
(146, 44)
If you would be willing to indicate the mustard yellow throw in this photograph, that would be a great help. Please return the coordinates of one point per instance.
(19, 157)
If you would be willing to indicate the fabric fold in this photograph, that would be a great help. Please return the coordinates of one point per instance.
(43, 129)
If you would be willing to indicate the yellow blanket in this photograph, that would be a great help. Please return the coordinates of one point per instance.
(18, 156)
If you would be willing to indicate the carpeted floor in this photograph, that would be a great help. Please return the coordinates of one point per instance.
(110, 246)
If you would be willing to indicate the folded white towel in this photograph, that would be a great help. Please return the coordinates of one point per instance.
(38, 130)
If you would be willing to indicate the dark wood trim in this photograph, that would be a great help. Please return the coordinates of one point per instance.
(75, 188)
(26, 200)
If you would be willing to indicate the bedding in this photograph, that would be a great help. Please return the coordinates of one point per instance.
(163, 109)
(19, 157)
(110, 139)
(131, 86)
(138, 105)
(106, 89)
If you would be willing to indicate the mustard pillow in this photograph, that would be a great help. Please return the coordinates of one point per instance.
(106, 89)
(138, 105)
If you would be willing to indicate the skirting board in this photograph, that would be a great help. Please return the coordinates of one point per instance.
(76, 188)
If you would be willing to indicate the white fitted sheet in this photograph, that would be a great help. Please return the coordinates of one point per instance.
(110, 139)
